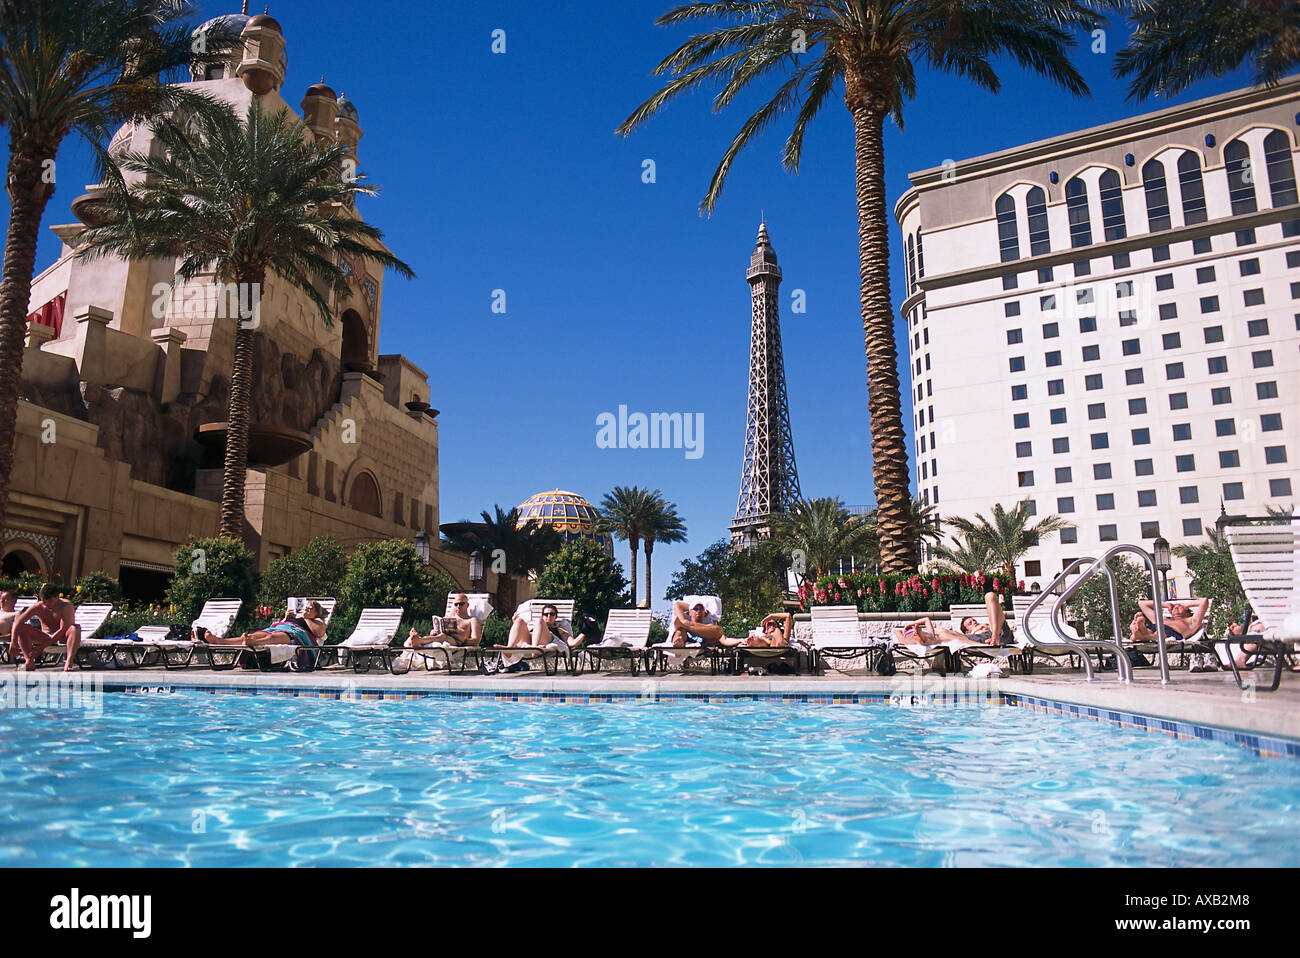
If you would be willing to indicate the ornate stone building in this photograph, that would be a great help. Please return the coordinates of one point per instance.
(124, 397)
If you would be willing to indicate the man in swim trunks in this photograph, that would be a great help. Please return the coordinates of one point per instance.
(1182, 621)
(58, 618)
(691, 626)
(460, 628)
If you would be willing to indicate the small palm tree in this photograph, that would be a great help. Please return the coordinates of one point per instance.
(1008, 535)
(817, 533)
(242, 200)
(524, 548)
(1176, 43)
(74, 67)
(666, 526)
(962, 556)
(869, 49)
(627, 513)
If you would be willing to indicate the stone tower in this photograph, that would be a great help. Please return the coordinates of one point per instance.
(769, 481)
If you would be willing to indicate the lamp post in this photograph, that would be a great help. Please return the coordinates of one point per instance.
(422, 546)
(475, 569)
(1160, 554)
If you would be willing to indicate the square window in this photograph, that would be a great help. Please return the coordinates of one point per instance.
(1101, 470)
(1137, 407)
(1056, 387)
(1209, 304)
(1205, 274)
(1266, 390)
(1106, 501)
(1017, 364)
(1033, 567)
(1031, 507)
(1177, 401)
(1279, 487)
(1233, 490)
(1083, 268)
(1011, 309)
(1188, 495)
(1097, 410)
(1270, 422)
(1121, 261)
(1171, 340)
(1192, 527)
(1146, 497)
(1133, 377)
(1213, 334)
(1100, 440)
(1090, 354)
(1174, 371)
(1141, 437)
(1053, 358)
(1024, 450)
(1014, 336)
(1064, 474)
(1257, 327)
(1168, 311)
(1229, 459)
(1164, 281)
(1021, 420)
(1293, 259)
(1025, 479)
(1047, 303)
(1010, 282)
(1045, 275)
(1159, 253)
(1183, 431)
(1261, 358)
(1092, 381)
(1084, 295)
(1061, 444)
(1273, 455)
(1249, 267)
(1185, 463)
(1128, 317)
(1202, 245)
(1057, 416)
(1150, 530)
(1107, 533)
(1069, 535)
(1124, 289)
(1051, 330)
(1087, 324)
(1295, 290)
(1019, 392)
(1253, 297)
(1065, 504)
(1221, 395)
(1245, 237)
(1144, 467)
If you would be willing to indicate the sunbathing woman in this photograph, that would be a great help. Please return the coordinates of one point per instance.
(777, 629)
(305, 631)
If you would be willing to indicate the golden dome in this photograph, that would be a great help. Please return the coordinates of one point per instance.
(568, 512)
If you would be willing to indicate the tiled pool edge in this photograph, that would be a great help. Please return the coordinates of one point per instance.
(1263, 742)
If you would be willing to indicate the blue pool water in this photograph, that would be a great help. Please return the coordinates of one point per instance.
(191, 779)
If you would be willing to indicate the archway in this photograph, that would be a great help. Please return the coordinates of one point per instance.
(356, 343)
(364, 495)
(18, 560)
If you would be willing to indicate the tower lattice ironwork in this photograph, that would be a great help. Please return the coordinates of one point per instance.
(769, 481)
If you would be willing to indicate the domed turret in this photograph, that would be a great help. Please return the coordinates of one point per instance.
(264, 63)
(319, 108)
(569, 513)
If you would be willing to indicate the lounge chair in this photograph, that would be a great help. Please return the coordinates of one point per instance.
(90, 618)
(426, 657)
(1018, 654)
(1193, 644)
(837, 634)
(664, 654)
(626, 633)
(531, 612)
(372, 636)
(1041, 626)
(1267, 559)
(268, 656)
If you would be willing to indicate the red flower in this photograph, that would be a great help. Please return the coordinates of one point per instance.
(934, 583)
(997, 587)
(1021, 587)
(821, 595)
(837, 597)
(882, 587)
(859, 593)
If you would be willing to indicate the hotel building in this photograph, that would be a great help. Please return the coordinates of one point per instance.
(1106, 324)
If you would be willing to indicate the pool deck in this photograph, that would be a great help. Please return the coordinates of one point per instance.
(1204, 700)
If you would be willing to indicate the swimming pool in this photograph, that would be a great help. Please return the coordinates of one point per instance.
(192, 779)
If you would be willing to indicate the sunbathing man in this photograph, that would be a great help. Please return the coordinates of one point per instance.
(1182, 621)
(8, 612)
(460, 628)
(305, 631)
(690, 624)
(973, 631)
(58, 619)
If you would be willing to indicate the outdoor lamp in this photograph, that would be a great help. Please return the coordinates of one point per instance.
(1160, 552)
(422, 546)
(475, 566)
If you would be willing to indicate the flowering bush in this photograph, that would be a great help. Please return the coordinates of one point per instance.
(904, 593)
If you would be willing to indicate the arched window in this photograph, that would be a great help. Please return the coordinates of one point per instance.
(1008, 237)
(1076, 202)
(1241, 178)
(1036, 206)
(911, 265)
(1153, 180)
(364, 496)
(1281, 168)
(1112, 206)
(356, 343)
(1192, 188)
(920, 256)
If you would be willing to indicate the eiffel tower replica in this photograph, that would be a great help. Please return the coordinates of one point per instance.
(769, 481)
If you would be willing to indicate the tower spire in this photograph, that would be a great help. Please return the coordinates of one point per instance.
(244, 10)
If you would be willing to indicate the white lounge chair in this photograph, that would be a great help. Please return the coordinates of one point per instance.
(1267, 559)
(626, 633)
(90, 618)
(666, 654)
(531, 612)
(836, 634)
(426, 657)
(372, 636)
(288, 652)
(1018, 653)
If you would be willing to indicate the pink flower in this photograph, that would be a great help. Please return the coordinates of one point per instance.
(1021, 587)
(996, 585)
(882, 588)
(843, 583)
(837, 597)
(860, 593)
(934, 583)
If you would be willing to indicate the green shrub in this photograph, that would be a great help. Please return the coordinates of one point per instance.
(30, 583)
(738, 620)
(211, 569)
(581, 571)
(131, 616)
(391, 575)
(1091, 604)
(496, 629)
(658, 632)
(318, 568)
(97, 587)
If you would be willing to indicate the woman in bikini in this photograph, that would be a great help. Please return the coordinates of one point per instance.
(305, 631)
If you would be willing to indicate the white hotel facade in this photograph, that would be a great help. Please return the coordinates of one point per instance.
(1107, 324)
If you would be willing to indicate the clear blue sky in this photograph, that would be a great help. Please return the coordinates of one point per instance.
(503, 172)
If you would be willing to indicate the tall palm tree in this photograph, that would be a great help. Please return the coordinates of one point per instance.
(922, 527)
(73, 67)
(626, 513)
(242, 199)
(871, 50)
(666, 526)
(1008, 535)
(820, 532)
(525, 548)
(1178, 42)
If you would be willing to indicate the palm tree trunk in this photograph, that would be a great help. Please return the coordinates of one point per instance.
(649, 548)
(888, 442)
(237, 422)
(28, 195)
(635, 543)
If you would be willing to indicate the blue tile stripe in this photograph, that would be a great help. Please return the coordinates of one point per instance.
(1263, 745)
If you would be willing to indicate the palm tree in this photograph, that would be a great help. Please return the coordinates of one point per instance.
(1175, 43)
(922, 527)
(1008, 535)
(962, 556)
(242, 200)
(820, 532)
(525, 547)
(626, 513)
(664, 525)
(870, 48)
(83, 67)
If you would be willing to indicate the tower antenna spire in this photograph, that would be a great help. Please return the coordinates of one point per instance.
(244, 11)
